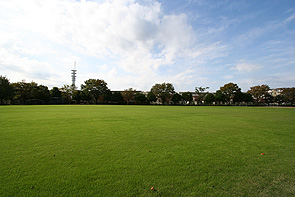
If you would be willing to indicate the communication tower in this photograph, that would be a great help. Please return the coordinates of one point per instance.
(74, 72)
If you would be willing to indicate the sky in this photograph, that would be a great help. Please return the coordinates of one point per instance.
(138, 43)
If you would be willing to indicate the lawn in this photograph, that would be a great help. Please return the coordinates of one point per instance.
(100, 150)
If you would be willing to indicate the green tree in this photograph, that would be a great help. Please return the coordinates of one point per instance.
(289, 95)
(259, 92)
(201, 94)
(140, 98)
(55, 92)
(77, 96)
(279, 99)
(128, 94)
(67, 92)
(219, 97)
(210, 98)
(163, 91)
(116, 97)
(95, 88)
(187, 97)
(24, 91)
(41, 93)
(151, 97)
(6, 89)
(176, 98)
(230, 90)
(247, 97)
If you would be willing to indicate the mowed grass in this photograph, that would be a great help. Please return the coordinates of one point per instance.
(98, 150)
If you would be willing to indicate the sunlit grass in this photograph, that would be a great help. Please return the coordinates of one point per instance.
(126, 150)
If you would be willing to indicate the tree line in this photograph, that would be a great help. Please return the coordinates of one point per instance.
(96, 91)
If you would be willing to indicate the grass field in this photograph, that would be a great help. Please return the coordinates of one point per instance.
(126, 150)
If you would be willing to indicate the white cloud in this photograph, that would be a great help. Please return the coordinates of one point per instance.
(242, 66)
(291, 18)
(228, 77)
(131, 40)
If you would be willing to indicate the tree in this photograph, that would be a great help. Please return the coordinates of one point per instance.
(187, 97)
(6, 89)
(24, 91)
(201, 94)
(219, 97)
(247, 97)
(67, 92)
(116, 97)
(210, 98)
(41, 93)
(230, 90)
(176, 98)
(163, 91)
(279, 99)
(77, 96)
(55, 92)
(259, 92)
(151, 97)
(128, 94)
(95, 88)
(289, 95)
(140, 98)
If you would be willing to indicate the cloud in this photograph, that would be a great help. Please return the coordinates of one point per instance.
(228, 77)
(242, 66)
(291, 18)
(131, 41)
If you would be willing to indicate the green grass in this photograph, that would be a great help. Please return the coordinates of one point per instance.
(126, 150)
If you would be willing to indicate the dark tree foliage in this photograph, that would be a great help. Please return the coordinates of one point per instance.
(248, 98)
(128, 94)
(95, 88)
(230, 90)
(55, 92)
(151, 97)
(187, 97)
(176, 98)
(77, 96)
(6, 89)
(289, 95)
(140, 98)
(117, 97)
(163, 91)
(42, 93)
(219, 96)
(279, 99)
(201, 94)
(259, 93)
(210, 98)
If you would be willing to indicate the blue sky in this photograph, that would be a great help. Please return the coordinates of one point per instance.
(135, 44)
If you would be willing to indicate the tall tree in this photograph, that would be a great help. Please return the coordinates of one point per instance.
(176, 98)
(67, 92)
(96, 88)
(163, 91)
(219, 97)
(187, 97)
(140, 98)
(201, 93)
(6, 89)
(24, 91)
(230, 90)
(42, 93)
(259, 92)
(151, 97)
(128, 94)
(116, 97)
(55, 92)
(210, 98)
(289, 95)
